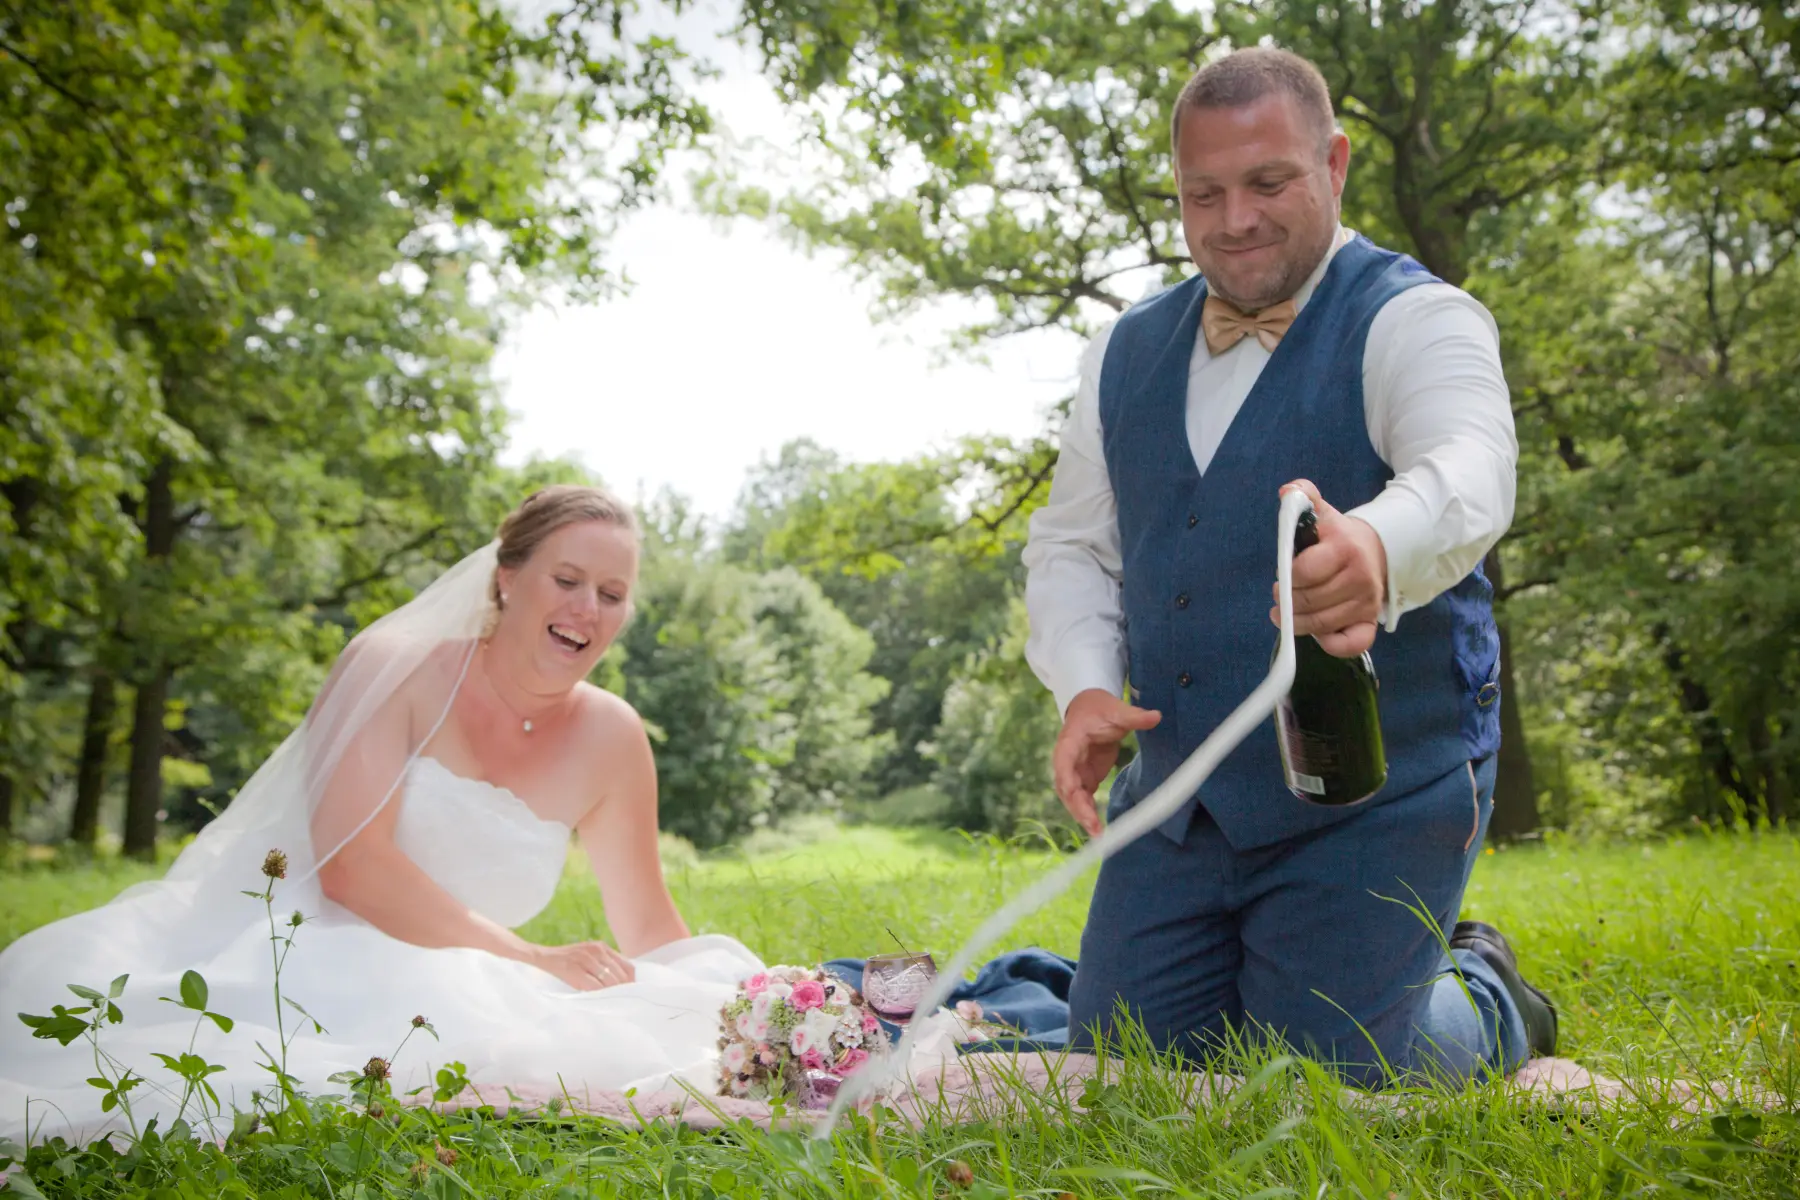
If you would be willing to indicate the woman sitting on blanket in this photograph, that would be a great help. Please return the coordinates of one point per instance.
(418, 816)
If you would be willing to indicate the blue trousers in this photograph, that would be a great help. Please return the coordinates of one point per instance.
(1330, 943)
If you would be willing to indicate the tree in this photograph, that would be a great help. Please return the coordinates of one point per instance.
(261, 252)
(890, 545)
(753, 689)
(992, 747)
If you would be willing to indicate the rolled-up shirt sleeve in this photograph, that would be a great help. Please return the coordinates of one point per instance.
(1072, 558)
(1439, 413)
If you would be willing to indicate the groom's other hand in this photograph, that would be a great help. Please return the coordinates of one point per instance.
(1088, 746)
(1339, 584)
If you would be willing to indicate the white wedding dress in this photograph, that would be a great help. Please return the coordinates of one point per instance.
(509, 1024)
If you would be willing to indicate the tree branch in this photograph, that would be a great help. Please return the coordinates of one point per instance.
(1524, 585)
(1032, 483)
(382, 569)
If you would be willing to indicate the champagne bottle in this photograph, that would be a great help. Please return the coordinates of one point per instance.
(1328, 724)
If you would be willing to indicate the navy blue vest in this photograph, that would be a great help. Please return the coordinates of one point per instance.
(1199, 555)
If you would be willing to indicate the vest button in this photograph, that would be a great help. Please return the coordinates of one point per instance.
(1184, 679)
(1181, 601)
(1192, 520)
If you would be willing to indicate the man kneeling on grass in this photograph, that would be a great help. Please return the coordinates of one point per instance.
(1301, 355)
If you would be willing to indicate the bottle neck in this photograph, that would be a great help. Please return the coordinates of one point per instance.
(1306, 532)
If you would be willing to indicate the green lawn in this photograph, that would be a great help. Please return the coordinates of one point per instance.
(1672, 959)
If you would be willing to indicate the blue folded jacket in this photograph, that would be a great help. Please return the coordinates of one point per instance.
(1027, 990)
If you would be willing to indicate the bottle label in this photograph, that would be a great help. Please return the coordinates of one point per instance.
(1311, 757)
(1309, 783)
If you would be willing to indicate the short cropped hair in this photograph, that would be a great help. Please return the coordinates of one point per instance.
(1246, 76)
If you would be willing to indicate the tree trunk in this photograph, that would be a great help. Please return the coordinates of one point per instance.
(20, 496)
(1515, 791)
(1438, 245)
(1709, 733)
(90, 774)
(143, 788)
(1768, 771)
(1781, 783)
(143, 794)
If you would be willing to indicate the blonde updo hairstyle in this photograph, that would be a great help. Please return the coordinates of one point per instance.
(543, 513)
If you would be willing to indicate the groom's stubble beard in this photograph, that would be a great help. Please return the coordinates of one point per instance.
(1304, 243)
(1282, 282)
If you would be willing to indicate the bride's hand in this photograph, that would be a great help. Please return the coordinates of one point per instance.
(585, 966)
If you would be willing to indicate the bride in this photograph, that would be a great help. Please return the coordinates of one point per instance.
(421, 812)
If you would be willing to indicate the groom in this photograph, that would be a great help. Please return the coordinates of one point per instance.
(1303, 355)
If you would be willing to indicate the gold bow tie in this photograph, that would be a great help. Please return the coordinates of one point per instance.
(1225, 326)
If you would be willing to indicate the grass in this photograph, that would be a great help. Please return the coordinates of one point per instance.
(1675, 959)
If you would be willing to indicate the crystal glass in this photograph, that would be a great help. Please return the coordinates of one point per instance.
(818, 1089)
(893, 984)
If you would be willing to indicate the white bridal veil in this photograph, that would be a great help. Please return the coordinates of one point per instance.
(386, 697)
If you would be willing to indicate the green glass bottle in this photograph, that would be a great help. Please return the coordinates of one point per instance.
(1328, 724)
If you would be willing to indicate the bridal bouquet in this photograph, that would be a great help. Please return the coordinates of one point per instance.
(790, 1026)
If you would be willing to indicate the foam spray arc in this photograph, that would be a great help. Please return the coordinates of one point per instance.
(1152, 811)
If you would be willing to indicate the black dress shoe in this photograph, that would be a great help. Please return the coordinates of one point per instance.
(1491, 946)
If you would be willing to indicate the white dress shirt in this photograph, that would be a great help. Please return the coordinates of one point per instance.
(1438, 413)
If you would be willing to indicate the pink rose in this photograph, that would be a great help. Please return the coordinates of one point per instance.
(808, 993)
(756, 983)
(870, 1024)
(812, 1060)
(852, 1059)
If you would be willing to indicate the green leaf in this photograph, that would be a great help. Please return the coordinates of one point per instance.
(193, 991)
(64, 1027)
(118, 987)
(223, 1022)
(86, 993)
(21, 1185)
(1737, 1128)
(295, 1005)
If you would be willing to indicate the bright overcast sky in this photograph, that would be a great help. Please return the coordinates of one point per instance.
(731, 343)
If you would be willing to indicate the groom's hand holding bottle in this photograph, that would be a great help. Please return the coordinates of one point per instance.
(1340, 585)
(1094, 725)
(584, 966)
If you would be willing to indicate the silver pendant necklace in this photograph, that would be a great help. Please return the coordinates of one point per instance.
(524, 721)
